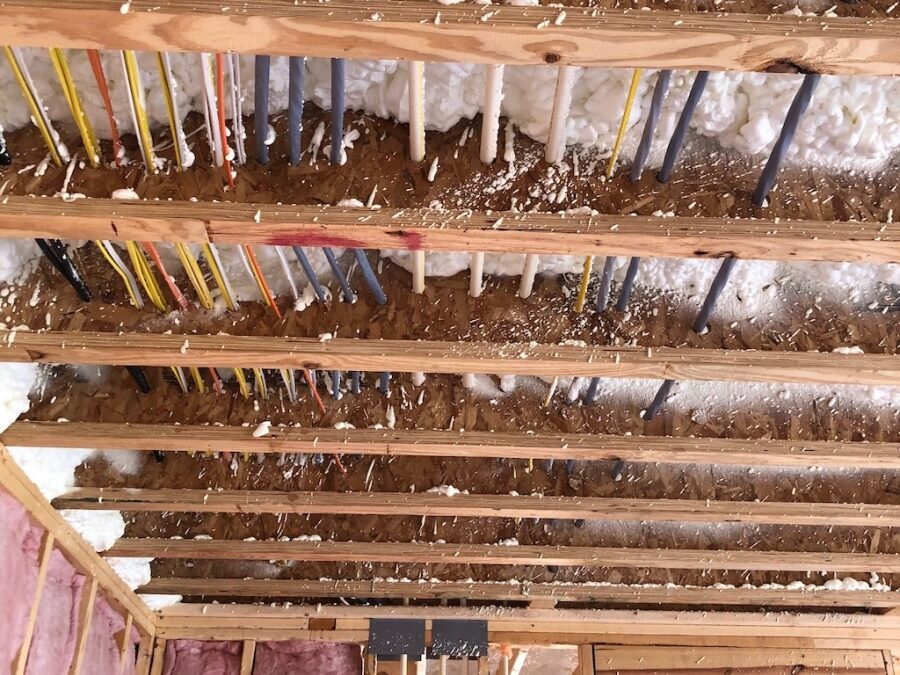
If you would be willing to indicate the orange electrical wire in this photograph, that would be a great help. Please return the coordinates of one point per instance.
(170, 281)
(97, 66)
(261, 280)
(220, 105)
(312, 389)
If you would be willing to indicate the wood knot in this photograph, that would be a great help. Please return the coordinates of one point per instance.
(788, 66)
(551, 57)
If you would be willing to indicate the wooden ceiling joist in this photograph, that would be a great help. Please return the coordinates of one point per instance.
(499, 591)
(413, 30)
(497, 554)
(407, 356)
(480, 506)
(408, 442)
(765, 238)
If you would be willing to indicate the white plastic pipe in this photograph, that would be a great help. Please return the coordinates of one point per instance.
(490, 122)
(418, 277)
(562, 101)
(476, 273)
(417, 111)
(528, 272)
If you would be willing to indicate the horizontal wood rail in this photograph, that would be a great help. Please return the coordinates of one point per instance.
(470, 590)
(407, 29)
(416, 442)
(450, 230)
(562, 626)
(676, 660)
(480, 505)
(82, 556)
(406, 356)
(491, 554)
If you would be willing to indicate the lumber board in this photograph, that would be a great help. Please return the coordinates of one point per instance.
(248, 651)
(77, 550)
(492, 554)
(126, 647)
(679, 659)
(562, 626)
(21, 660)
(452, 590)
(416, 442)
(480, 506)
(85, 617)
(411, 30)
(407, 356)
(764, 238)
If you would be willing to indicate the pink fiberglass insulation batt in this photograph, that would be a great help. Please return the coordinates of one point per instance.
(290, 657)
(18, 560)
(192, 657)
(102, 652)
(302, 657)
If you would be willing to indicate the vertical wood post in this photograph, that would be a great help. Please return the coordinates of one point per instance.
(46, 550)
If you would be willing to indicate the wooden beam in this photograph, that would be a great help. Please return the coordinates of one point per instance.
(82, 556)
(566, 626)
(487, 591)
(612, 659)
(144, 655)
(407, 29)
(126, 647)
(452, 230)
(85, 617)
(480, 506)
(585, 660)
(248, 651)
(407, 356)
(492, 554)
(159, 656)
(414, 442)
(43, 566)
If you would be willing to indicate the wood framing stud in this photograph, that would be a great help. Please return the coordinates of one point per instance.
(43, 566)
(413, 442)
(159, 656)
(452, 230)
(488, 554)
(407, 356)
(248, 651)
(409, 30)
(85, 616)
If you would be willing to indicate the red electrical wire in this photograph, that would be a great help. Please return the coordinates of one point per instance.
(97, 67)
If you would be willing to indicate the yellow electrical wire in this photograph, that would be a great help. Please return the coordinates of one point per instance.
(180, 378)
(259, 380)
(145, 276)
(170, 107)
(585, 280)
(629, 102)
(194, 274)
(132, 73)
(64, 73)
(219, 276)
(242, 382)
(131, 294)
(198, 379)
(36, 113)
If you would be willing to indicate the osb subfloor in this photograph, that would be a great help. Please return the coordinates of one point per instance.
(445, 312)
